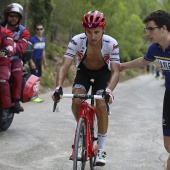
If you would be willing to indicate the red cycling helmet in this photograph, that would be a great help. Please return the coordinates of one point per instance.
(93, 19)
(14, 7)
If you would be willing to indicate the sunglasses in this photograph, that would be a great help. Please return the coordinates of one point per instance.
(39, 29)
(13, 16)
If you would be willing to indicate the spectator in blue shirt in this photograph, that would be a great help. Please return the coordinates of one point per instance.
(39, 57)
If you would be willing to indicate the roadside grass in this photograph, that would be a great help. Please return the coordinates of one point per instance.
(131, 73)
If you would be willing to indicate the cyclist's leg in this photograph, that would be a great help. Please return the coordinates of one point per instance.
(102, 132)
(76, 103)
(81, 85)
(101, 81)
(102, 116)
(166, 125)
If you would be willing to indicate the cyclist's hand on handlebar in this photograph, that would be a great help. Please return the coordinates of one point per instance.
(108, 95)
(57, 94)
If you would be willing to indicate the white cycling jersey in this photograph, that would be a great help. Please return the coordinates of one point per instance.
(109, 50)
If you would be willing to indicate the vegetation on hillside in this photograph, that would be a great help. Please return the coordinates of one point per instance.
(62, 20)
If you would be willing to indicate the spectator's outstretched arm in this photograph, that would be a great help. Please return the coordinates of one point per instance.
(139, 62)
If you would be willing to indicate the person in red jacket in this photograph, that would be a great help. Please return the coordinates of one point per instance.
(7, 49)
(12, 18)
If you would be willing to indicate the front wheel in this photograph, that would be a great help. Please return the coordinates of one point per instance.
(79, 161)
(5, 125)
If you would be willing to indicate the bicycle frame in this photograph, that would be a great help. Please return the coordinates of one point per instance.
(85, 128)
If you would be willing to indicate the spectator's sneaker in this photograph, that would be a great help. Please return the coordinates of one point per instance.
(101, 158)
(37, 100)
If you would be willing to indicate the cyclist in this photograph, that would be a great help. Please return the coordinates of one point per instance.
(13, 15)
(158, 31)
(98, 59)
(7, 47)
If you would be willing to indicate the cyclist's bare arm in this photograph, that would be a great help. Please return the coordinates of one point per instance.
(115, 72)
(66, 63)
(139, 62)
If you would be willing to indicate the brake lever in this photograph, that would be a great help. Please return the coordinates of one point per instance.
(107, 106)
(54, 106)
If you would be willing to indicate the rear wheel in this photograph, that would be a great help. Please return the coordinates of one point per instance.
(94, 134)
(79, 161)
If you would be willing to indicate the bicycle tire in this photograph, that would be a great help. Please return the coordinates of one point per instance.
(79, 161)
(94, 134)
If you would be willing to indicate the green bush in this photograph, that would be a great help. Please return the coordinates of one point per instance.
(48, 78)
(53, 50)
(71, 74)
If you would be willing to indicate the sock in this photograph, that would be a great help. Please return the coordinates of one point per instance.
(102, 140)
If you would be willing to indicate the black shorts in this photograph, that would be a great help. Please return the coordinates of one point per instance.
(38, 71)
(83, 76)
(166, 114)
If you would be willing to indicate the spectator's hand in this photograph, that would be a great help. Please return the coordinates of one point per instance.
(108, 96)
(57, 94)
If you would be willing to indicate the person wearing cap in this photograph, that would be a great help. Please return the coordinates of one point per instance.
(98, 59)
(13, 14)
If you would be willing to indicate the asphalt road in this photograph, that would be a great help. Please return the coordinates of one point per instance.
(39, 139)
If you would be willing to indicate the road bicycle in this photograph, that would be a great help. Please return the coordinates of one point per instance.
(86, 135)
